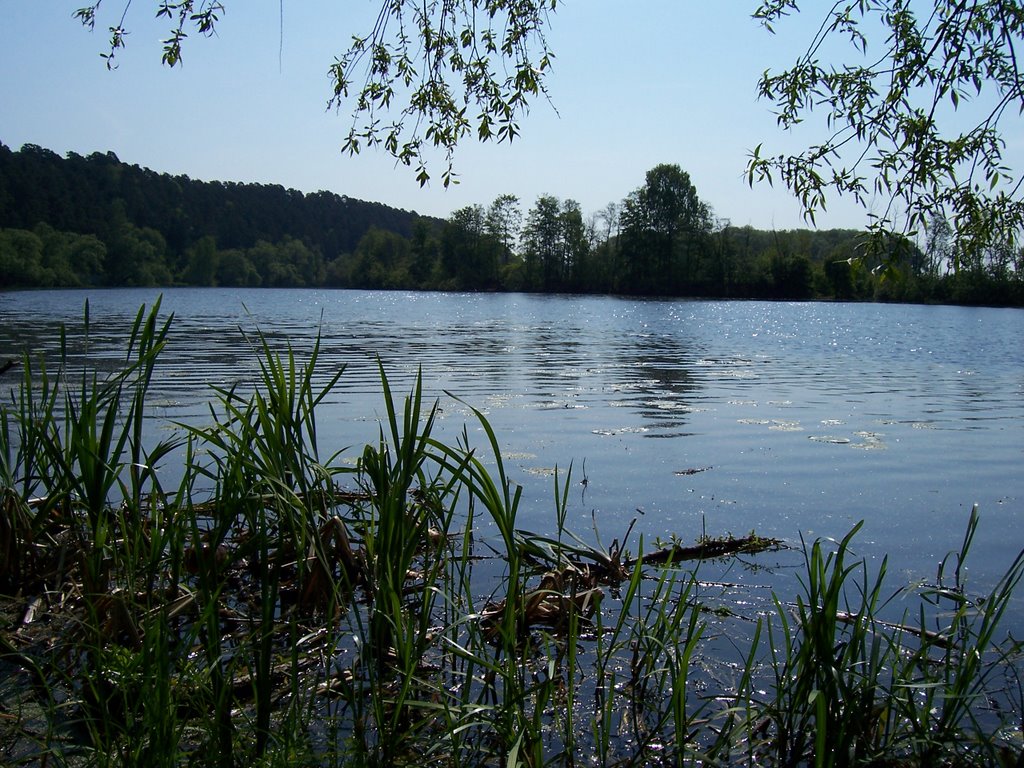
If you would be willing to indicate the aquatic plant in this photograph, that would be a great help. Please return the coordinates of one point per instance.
(278, 607)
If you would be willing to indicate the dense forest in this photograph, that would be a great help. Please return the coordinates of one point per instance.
(95, 221)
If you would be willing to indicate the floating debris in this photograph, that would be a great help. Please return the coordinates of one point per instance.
(872, 441)
(540, 471)
(620, 431)
(670, 405)
(517, 455)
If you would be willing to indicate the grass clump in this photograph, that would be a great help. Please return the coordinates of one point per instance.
(277, 607)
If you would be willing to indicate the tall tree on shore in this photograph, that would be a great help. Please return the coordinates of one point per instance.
(664, 230)
(469, 254)
(542, 244)
(504, 219)
(575, 244)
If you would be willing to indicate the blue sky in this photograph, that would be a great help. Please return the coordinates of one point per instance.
(635, 84)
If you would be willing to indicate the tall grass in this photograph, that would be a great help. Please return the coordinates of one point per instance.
(278, 607)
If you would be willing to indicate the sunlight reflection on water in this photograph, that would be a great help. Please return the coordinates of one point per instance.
(809, 416)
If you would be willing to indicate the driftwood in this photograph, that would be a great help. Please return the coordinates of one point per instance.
(575, 587)
(709, 549)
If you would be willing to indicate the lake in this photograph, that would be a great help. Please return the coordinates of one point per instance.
(789, 419)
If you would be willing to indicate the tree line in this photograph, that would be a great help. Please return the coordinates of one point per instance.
(83, 221)
(662, 239)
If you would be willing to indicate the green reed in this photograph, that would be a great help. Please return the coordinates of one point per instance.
(851, 688)
(271, 497)
(279, 608)
(829, 663)
(952, 670)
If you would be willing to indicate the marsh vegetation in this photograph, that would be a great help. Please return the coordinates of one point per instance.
(278, 606)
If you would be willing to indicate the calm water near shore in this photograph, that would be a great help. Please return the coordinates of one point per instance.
(786, 418)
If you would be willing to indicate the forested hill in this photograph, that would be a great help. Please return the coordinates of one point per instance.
(95, 221)
(158, 229)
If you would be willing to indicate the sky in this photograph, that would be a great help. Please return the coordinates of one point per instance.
(634, 84)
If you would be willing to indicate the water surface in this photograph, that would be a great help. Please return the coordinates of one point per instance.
(803, 418)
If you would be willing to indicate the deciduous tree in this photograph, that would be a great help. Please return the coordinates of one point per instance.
(429, 74)
(913, 98)
(503, 222)
(543, 245)
(664, 225)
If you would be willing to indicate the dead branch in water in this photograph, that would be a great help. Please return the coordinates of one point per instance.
(710, 549)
